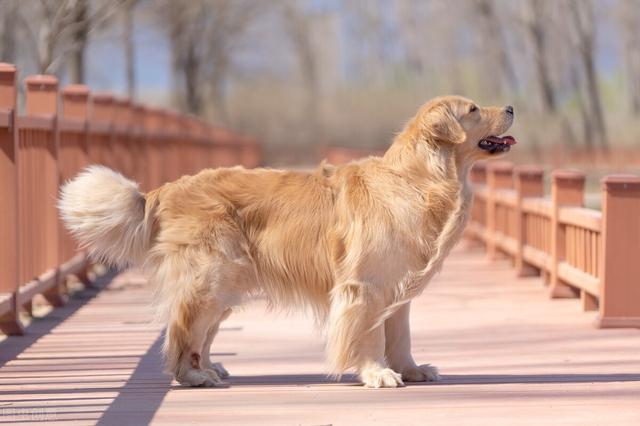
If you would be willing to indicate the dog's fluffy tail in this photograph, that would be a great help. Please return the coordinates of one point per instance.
(105, 212)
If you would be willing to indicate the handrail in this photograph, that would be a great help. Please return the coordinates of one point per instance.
(47, 145)
(508, 197)
(6, 118)
(578, 251)
(581, 218)
(537, 205)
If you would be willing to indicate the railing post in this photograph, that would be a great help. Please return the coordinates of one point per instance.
(74, 156)
(139, 146)
(75, 102)
(174, 145)
(250, 152)
(499, 176)
(42, 101)
(9, 226)
(101, 130)
(165, 144)
(151, 124)
(529, 183)
(212, 139)
(567, 189)
(620, 268)
(122, 120)
(196, 147)
(156, 146)
(42, 95)
(75, 106)
(477, 222)
(182, 144)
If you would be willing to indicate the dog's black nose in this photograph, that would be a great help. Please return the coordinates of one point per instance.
(509, 110)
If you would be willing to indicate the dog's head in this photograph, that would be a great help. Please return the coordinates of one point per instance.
(473, 131)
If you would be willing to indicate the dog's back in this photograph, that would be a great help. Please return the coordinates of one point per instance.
(282, 218)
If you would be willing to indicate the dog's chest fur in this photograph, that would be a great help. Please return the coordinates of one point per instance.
(399, 215)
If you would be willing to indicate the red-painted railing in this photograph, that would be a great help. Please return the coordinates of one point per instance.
(579, 252)
(59, 134)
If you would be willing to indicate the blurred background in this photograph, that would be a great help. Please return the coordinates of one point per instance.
(302, 75)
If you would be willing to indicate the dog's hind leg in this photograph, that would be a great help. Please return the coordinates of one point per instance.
(205, 358)
(184, 344)
(203, 286)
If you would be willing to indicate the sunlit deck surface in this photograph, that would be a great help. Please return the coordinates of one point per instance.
(508, 355)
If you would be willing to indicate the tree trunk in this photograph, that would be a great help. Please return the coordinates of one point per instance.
(127, 38)
(8, 10)
(587, 122)
(631, 21)
(176, 85)
(593, 91)
(192, 80)
(217, 78)
(79, 37)
(537, 33)
(495, 45)
(299, 28)
(45, 45)
(583, 18)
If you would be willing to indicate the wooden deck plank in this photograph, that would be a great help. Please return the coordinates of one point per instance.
(508, 355)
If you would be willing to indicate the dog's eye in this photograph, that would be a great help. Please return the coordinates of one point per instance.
(473, 108)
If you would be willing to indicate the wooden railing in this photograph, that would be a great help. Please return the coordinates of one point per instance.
(579, 252)
(43, 147)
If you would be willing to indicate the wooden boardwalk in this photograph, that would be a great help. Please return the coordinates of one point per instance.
(508, 355)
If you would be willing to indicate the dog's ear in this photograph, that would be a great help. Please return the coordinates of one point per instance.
(441, 125)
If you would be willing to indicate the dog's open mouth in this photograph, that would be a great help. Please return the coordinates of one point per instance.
(495, 144)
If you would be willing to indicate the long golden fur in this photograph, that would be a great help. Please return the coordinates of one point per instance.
(355, 243)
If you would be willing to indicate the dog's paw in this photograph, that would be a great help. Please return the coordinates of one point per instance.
(219, 369)
(381, 378)
(421, 373)
(200, 378)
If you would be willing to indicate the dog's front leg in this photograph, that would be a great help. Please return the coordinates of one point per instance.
(372, 368)
(351, 340)
(398, 349)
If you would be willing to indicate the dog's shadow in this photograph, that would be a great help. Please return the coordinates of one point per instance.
(447, 380)
(283, 380)
(292, 380)
(502, 379)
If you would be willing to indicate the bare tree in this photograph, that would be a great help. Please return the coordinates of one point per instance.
(78, 10)
(129, 47)
(8, 13)
(582, 20)
(298, 25)
(630, 19)
(59, 30)
(228, 21)
(369, 39)
(185, 22)
(203, 35)
(491, 31)
(412, 30)
(536, 20)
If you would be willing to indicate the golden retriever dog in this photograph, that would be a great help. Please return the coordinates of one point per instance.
(354, 243)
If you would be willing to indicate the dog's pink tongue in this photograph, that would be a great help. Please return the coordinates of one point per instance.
(509, 140)
(504, 140)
